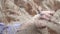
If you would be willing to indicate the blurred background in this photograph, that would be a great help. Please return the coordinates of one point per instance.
(23, 10)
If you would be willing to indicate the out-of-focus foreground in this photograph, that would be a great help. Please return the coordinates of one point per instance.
(12, 11)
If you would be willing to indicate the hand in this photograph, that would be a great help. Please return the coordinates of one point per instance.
(47, 14)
